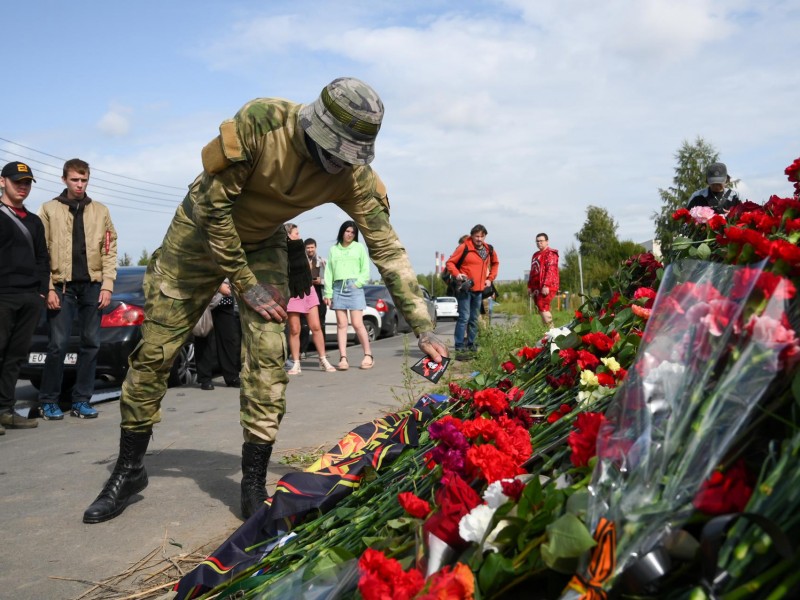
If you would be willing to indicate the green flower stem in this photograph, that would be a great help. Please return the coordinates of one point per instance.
(754, 585)
(519, 559)
(785, 586)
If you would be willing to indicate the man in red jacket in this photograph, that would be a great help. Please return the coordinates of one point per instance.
(544, 280)
(473, 266)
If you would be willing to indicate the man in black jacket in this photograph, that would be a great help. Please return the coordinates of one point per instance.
(717, 195)
(24, 273)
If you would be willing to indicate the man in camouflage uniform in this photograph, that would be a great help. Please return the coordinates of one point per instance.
(273, 161)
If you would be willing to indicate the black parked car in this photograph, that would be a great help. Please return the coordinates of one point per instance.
(392, 323)
(120, 331)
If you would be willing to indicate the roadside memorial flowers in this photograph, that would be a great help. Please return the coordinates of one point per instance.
(595, 460)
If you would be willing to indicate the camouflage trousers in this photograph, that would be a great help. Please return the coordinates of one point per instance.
(180, 280)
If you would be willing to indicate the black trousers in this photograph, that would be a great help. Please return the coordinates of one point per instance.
(305, 332)
(222, 348)
(19, 314)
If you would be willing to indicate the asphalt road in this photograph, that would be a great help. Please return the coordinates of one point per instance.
(50, 474)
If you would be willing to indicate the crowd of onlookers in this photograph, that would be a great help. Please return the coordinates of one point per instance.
(63, 259)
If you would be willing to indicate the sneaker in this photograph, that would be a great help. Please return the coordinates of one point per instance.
(83, 410)
(13, 421)
(462, 354)
(302, 356)
(325, 365)
(295, 370)
(288, 364)
(51, 412)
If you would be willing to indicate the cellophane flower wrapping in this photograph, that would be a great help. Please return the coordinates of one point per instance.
(713, 345)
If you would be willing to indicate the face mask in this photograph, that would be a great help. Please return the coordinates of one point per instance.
(331, 164)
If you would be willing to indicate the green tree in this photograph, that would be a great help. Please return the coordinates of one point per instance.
(125, 260)
(690, 176)
(144, 258)
(600, 253)
(598, 236)
(570, 271)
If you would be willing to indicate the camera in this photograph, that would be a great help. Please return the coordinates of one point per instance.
(463, 285)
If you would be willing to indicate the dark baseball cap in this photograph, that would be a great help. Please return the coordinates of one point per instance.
(16, 171)
(717, 173)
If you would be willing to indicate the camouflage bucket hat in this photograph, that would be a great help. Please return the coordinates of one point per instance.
(345, 120)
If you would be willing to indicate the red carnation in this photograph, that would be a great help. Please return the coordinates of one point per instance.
(793, 170)
(682, 214)
(509, 367)
(414, 505)
(512, 488)
(562, 410)
(529, 353)
(599, 340)
(583, 440)
(383, 578)
(491, 463)
(717, 222)
(568, 356)
(727, 492)
(587, 360)
(606, 379)
(455, 499)
(785, 251)
(492, 400)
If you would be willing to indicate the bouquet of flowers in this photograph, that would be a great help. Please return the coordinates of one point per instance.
(717, 338)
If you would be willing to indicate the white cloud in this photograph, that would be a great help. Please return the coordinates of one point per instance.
(116, 121)
(514, 114)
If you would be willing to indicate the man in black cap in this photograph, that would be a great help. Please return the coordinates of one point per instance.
(24, 273)
(717, 195)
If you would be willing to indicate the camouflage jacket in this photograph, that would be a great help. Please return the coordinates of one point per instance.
(259, 174)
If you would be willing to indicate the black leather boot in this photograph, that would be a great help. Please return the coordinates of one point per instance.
(127, 479)
(255, 458)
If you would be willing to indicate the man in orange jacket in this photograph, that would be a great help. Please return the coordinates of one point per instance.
(473, 266)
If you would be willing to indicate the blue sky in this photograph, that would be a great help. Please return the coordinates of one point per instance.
(514, 114)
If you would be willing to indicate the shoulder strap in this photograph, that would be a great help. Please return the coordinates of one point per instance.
(12, 215)
(466, 250)
(463, 257)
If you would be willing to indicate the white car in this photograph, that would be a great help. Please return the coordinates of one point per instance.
(372, 321)
(446, 307)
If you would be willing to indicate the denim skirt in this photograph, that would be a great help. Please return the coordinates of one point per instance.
(346, 296)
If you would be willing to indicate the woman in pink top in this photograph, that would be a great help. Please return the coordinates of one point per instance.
(307, 305)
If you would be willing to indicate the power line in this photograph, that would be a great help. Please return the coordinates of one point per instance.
(94, 169)
(45, 176)
(58, 170)
(57, 190)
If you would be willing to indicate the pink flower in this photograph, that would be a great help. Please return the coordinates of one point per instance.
(702, 214)
(771, 332)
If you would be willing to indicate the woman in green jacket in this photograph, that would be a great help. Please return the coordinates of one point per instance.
(345, 277)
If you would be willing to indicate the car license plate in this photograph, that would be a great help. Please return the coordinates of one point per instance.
(38, 358)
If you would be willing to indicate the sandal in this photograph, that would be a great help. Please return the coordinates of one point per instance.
(367, 365)
(343, 366)
(326, 366)
(295, 370)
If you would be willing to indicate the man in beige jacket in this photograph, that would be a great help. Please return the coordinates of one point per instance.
(83, 266)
